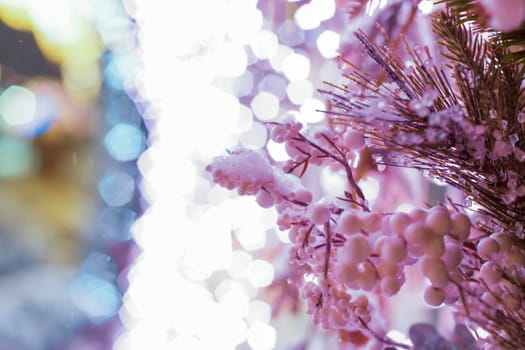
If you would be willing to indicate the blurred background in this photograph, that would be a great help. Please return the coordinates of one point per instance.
(69, 138)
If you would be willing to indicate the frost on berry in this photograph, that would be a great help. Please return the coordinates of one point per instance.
(244, 170)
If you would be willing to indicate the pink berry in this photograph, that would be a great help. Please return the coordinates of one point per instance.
(394, 249)
(460, 226)
(349, 223)
(386, 268)
(371, 222)
(434, 247)
(357, 249)
(490, 272)
(304, 196)
(418, 215)
(398, 222)
(295, 234)
(415, 251)
(367, 276)
(451, 294)
(319, 214)
(362, 301)
(277, 134)
(417, 233)
(347, 272)
(338, 320)
(264, 198)
(390, 285)
(434, 296)
(505, 243)
(439, 220)
(487, 247)
(379, 243)
(453, 255)
(353, 139)
(436, 271)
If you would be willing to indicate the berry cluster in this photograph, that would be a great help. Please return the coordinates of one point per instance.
(349, 256)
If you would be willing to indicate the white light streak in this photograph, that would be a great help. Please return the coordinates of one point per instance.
(185, 241)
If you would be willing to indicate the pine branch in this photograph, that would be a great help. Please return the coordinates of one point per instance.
(459, 131)
(472, 13)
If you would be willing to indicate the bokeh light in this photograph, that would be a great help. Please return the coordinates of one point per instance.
(116, 188)
(17, 105)
(328, 43)
(299, 91)
(265, 105)
(97, 298)
(125, 142)
(296, 67)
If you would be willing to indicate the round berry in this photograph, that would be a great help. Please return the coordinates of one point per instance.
(417, 233)
(418, 215)
(505, 243)
(439, 221)
(453, 255)
(304, 196)
(490, 272)
(394, 249)
(371, 222)
(415, 251)
(386, 268)
(367, 276)
(264, 198)
(460, 226)
(434, 296)
(357, 249)
(362, 302)
(434, 247)
(379, 243)
(389, 285)
(347, 272)
(487, 247)
(319, 214)
(451, 294)
(436, 271)
(278, 133)
(398, 222)
(349, 222)
(353, 139)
